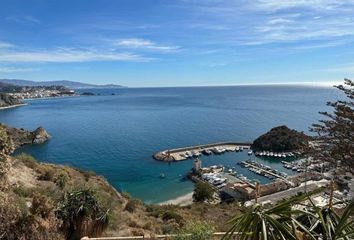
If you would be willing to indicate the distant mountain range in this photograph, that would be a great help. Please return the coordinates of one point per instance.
(65, 83)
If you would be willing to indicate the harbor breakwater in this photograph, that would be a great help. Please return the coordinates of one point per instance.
(179, 154)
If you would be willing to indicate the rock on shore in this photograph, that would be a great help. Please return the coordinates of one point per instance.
(21, 136)
(280, 139)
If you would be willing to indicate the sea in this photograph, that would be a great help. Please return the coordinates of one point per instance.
(116, 132)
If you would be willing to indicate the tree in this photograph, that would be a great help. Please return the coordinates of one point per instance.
(82, 214)
(202, 192)
(335, 134)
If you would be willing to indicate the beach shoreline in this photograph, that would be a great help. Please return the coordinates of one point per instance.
(13, 106)
(183, 200)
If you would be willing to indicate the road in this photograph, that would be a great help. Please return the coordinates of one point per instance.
(275, 197)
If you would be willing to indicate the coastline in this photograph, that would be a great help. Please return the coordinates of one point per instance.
(13, 106)
(183, 200)
(46, 98)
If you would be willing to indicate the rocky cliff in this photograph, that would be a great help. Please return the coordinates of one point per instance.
(6, 100)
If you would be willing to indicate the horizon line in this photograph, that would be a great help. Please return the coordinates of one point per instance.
(310, 84)
(306, 83)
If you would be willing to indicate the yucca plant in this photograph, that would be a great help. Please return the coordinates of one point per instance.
(82, 214)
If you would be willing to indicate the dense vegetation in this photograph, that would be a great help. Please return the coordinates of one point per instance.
(281, 139)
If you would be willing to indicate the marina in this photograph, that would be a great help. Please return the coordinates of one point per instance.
(263, 170)
(276, 154)
(180, 154)
(231, 185)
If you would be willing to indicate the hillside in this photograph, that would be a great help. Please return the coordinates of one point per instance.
(7, 101)
(40, 200)
(281, 139)
(65, 83)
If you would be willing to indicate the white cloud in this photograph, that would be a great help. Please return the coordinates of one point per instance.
(346, 69)
(139, 43)
(5, 45)
(70, 55)
(24, 19)
(272, 5)
(273, 21)
(15, 69)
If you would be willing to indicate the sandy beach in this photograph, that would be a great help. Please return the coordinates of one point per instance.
(13, 106)
(184, 200)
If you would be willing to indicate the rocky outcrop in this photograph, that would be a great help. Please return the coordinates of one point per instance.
(281, 139)
(40, 135)
(21, 136)
(6, 100)
(87, 94)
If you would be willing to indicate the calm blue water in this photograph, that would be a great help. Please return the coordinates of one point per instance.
(115, 136)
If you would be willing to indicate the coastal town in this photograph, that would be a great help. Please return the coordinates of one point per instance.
(42, 92)
(300, 174)
(12, 95)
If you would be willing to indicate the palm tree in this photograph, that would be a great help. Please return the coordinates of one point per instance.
(285, 222)
(258, 222)
(325, 223)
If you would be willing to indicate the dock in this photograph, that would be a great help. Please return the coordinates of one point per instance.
(180, 154)
(263, 170)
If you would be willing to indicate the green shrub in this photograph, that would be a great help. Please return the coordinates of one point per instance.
(21, 191)
(196, 231)
(28, 160)
(133, 224)
(61, 180)
(87, 174)
(170, 215)
(46, 173)
(131, 205)
(170, 228)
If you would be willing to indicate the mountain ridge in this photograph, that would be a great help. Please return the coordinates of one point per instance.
(65, 83)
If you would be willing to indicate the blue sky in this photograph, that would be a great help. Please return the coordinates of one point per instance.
(177, 43)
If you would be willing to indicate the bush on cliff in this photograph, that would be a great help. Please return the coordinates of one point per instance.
(6, 144)
(82, 214)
